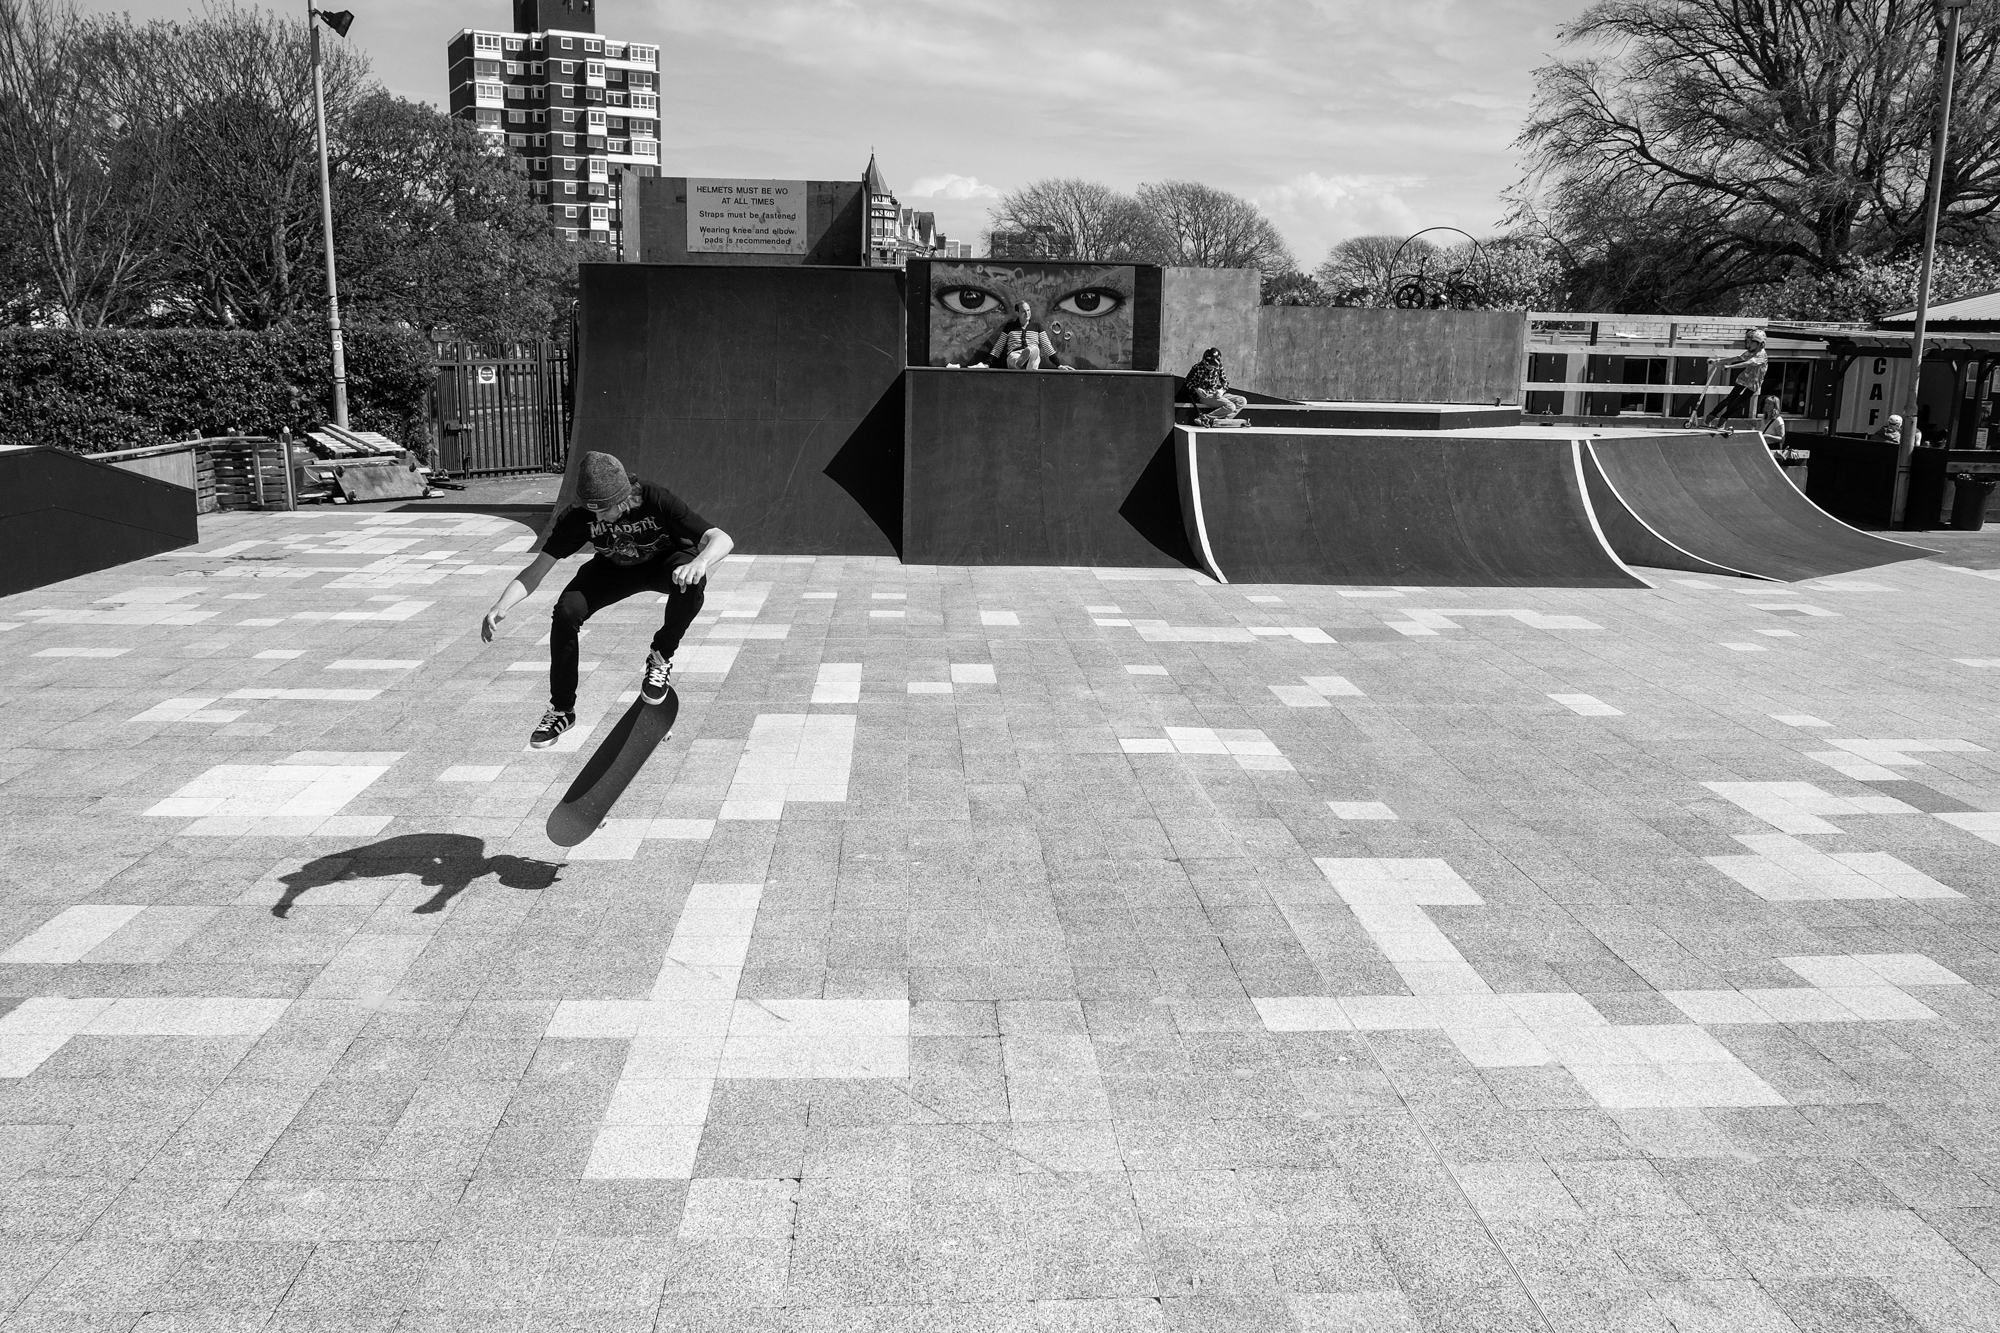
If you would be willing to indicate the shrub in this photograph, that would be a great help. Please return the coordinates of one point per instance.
(95, 390)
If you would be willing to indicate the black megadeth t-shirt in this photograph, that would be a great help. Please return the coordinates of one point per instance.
(659, 527)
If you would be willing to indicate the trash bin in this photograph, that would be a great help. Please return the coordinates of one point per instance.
(1969, 493)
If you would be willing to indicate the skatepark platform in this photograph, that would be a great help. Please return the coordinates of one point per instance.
(1042, 468)
(769, 398)
(1526, 506)
(62, 515)
(1381, 416)
(777, 401)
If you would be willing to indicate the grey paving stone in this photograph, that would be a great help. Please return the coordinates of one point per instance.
(411, 1144)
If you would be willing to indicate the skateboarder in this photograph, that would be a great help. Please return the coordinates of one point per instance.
(1209, 383)
(646, 539)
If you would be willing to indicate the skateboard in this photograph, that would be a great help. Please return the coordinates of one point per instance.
(617, 760)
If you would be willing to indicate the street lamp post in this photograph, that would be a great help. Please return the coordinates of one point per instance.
(339, 21)
(1933, 198)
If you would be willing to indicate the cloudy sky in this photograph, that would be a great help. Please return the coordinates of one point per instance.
(1339, 117)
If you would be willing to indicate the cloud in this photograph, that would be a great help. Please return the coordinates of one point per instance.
(1315, 211)
(953, 186)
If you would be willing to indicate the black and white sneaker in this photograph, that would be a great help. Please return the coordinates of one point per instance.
(553, 725)
(659, 678)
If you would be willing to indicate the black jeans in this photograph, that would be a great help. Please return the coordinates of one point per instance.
(599, 584)
(1742, 402)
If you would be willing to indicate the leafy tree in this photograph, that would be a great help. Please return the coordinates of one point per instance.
(1876, 288)
(1699, 147)
(435, 230)
(1199, 226)
(1291, 288)
(1084, 218)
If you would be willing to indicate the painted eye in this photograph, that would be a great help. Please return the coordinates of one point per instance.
(968, 300)
(1092, 302)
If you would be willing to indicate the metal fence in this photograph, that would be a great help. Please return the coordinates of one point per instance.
(501, 410)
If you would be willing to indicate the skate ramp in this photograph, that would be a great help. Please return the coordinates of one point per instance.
(1726, 506)
(1009, 467)
(62, 515)
(768, 397)
(1636, 541)
(1268, 506)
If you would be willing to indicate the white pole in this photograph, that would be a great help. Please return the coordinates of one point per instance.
(1933, 197)
(326, 222)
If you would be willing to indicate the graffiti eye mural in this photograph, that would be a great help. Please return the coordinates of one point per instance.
(968, 300)
(1092, 302)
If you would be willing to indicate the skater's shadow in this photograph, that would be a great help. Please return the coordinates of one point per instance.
(448, 862)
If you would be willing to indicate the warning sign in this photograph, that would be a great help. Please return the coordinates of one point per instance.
(746, 217)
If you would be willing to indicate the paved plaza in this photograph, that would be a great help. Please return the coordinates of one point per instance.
(1011, 950)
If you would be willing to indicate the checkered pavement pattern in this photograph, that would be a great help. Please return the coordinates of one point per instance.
(1038, 950)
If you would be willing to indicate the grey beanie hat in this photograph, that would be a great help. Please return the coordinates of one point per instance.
(601, 480)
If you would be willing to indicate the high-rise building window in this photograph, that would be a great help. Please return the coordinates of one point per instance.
(593, 46)
(569, 210)
(514, 67)
(569, 187)
(513, 43)
(485, 41)
(569, 163)
(568, 66)
(593, 70)
(568, 43)
(535, 68)
(598, 213)
(513, 118)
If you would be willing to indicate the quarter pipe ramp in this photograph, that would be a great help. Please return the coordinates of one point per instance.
(1722, 505)
(1267, 506)
(769, 398)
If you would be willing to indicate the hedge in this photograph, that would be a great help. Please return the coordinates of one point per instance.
(95, 390)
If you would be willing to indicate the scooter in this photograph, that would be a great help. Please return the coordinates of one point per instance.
(1701, 402)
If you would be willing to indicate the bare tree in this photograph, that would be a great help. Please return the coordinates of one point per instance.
(233, 94)
(1359, 270)
(1082, 219)
(81, 185)
(1199, 226)
(1785, 132)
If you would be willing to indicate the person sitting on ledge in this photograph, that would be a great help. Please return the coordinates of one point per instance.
(1209, 383)
(1891, 431)
(1023, 344)
(1772, 427)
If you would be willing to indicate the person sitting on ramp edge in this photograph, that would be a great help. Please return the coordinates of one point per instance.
(1209, 384)
(646, 539)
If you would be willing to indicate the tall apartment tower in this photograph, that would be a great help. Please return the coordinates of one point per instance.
(575, 107)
